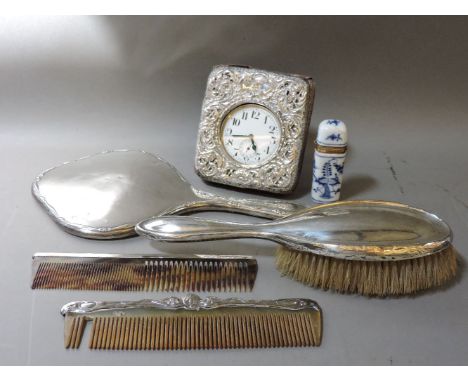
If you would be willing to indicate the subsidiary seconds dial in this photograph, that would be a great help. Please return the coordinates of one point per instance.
(251, 134)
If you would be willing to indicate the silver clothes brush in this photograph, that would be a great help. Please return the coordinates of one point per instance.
(368, 247)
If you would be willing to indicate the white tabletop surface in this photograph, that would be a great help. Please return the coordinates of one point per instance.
(70, 87)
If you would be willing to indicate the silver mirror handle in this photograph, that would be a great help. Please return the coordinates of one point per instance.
(190, 229)
(264, 208)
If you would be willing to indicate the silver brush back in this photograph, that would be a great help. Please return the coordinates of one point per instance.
(115, 272)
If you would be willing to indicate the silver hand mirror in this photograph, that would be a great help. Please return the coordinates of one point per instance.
(103, 196)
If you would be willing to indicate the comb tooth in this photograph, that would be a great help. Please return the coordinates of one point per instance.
(287, 330)
(197, 277)
(302, 331)
(193, 334)
(107, 333)
(136, 333)
(316, 324)
(227, 284)
(177, 275)
(231, 335)
(164, 276)
(211, 337)
(201, 331)
(295, 329)
(37, 276)
(139, 334)
(185, 282)
(288, 340)
(143, 333)
(157, 332)
(292, 329)
(273, 331)
(183, 331)
(151, 334)
(146, 273)
(79, 334)
(94, 335)
(102, 323)
(120, 333)
(155, 276)
(170, 276)
(170, 336)
(102, 331)
(69, 325)
(307, 333)
(240, 332)
(232, 278)
(148, 333)
(123, 334)
(202, 276)
(239, 276)
(245, 276)
(190, 277)
(265, 330)
(253, 331)
(175, 329)
(220, 276)
(181, 276)
(305, 340)
(114, 333)
(244, 330)
(208, 275)
(221, 333)
(133, 344)
(130, 329)
(279, 330)
(131, 333)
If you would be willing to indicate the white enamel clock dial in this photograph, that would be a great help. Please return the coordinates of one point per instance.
(251, 134)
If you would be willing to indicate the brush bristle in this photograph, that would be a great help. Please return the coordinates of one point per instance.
(157, 275)
(371, 278)
(228, 329)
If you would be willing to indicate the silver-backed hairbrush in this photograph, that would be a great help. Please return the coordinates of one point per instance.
(367, 247)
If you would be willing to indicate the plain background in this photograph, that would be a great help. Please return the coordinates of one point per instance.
(73, 86)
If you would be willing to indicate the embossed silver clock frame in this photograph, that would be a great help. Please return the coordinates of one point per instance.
(289, 97)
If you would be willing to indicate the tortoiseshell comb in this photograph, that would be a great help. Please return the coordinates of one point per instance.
(143, 273)
(193, 323)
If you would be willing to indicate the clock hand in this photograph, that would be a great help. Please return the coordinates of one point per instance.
(254, 146)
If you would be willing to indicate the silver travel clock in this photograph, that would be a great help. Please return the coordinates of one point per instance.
(253, 128)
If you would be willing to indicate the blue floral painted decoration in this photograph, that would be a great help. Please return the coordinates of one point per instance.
(327, 182)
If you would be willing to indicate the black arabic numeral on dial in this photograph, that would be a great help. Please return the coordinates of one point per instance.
(235, 122)
(255, 114)
(245, 115)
